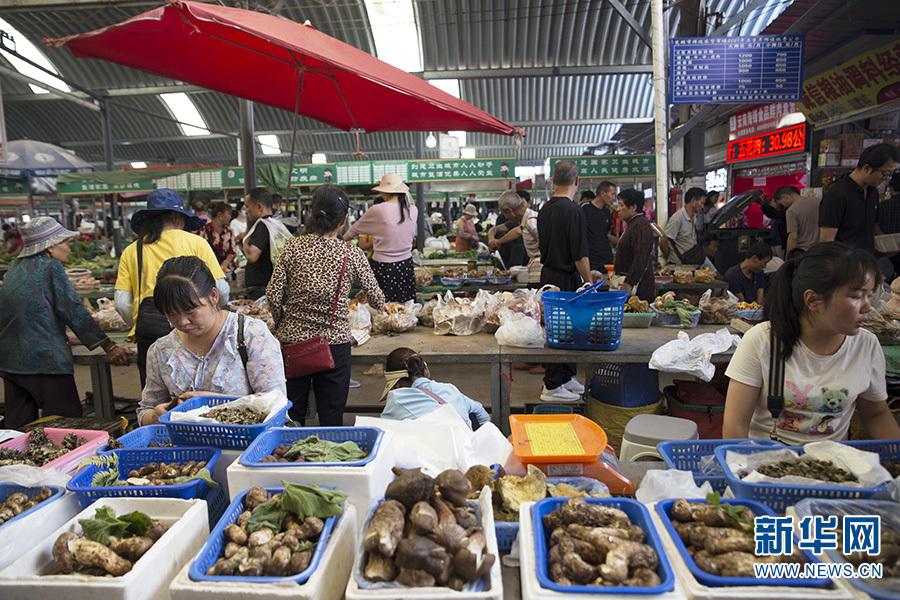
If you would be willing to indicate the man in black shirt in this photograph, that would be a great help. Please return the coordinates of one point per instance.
(848, 210)
(256, 244)
(599, 217)
(564, 254)
(512, 251)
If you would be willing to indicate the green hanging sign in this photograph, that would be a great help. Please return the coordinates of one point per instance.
(13, 187)
(355, 173)
(611, 165)
(463, 169)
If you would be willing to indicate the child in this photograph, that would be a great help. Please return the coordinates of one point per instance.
(411, 393)
(815, 306)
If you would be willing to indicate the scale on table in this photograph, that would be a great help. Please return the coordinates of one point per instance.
(568, 446)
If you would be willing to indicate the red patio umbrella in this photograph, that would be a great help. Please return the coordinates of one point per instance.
(281, 63)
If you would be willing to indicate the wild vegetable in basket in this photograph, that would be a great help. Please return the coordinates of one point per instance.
(236, 416)
(313, 449)
(823, 470)
(276, 537)
(18, 503)
(110, 545)
(40, 451)
(682, 308)
(719, 537)
(424, 533)
(153, 473)
(593, 544)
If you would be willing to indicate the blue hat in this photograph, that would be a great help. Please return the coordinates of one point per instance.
(162, 200)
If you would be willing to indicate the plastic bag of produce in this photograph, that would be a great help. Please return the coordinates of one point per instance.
(492, 305)
(360, 323)
(424, 277)
(107, 317)
(459, 316)
(396, 317)
(426, 315)
(278, 235)
(520, 330)
(717, 310)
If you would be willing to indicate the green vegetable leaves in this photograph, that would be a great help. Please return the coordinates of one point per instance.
(270, 514)
(734, 511)
(680, 308)
(106, 524)
(312, 501)
(314, 449)
(203, 474)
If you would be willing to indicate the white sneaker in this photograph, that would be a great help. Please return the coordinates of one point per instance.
(560, 394)
(573, 386)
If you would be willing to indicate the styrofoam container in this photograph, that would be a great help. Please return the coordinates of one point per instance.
(392, 591)
(697, 591)
(362, 484)
(30, 529)
(531, 587)
(28, 578)
(326, 583)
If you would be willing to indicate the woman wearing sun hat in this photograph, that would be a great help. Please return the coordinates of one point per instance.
(392, 225)
(162, 233)
(37, 303)
(466, 234)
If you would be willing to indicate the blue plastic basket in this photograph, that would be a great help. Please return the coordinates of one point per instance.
(888, 450)
(367, 438)
(216, 504)
(508, 531)
(780, 496)
(220, 435)
(134, 458)
(591, 322)
(685, 455)
(638, 514)
(707, 579)
(143, 436)
(8, 489)
(215, 543)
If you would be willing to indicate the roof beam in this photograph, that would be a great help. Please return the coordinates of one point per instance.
(630, 20)
(737, 17)
(536, 72)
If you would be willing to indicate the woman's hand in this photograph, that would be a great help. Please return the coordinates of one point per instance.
(117, 355)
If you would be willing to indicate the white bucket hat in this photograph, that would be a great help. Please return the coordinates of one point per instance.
(391, 184)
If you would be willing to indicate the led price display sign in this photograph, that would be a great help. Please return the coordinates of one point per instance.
(781, 141)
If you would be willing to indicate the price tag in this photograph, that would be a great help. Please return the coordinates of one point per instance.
(553, 439)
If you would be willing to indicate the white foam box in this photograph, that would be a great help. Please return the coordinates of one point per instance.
(31, 529)
(531, 587)
(29, 577)
(220, 469)
(485, 513)
(326, 583)
(697, 591)
(362, 484)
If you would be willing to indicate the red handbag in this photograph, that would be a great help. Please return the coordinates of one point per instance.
(312, 356)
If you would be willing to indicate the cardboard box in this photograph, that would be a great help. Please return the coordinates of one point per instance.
(830, 159)
(829, 146)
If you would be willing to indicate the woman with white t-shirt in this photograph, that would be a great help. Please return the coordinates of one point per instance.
(816, 306)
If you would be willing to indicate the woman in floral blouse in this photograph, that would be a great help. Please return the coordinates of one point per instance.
(219, 235)
(200, 357)
(308, 298)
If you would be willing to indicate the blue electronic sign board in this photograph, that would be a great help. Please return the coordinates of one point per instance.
(724, 70)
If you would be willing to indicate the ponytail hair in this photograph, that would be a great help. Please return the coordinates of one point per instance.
(329, 207)
(406, 359)
(824, 269)
(404, 201)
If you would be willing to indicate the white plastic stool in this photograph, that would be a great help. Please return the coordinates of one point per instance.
(644, 432)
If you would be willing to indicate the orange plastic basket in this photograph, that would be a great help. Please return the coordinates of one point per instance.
(556, 438)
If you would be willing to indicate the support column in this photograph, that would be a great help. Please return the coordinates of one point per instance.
(248, 146)
(420, 195)
(108, 157)
(659, 111)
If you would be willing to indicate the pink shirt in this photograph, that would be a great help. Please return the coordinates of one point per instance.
(391, 239)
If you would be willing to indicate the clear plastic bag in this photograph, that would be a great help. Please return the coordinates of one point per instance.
(718, 310)
(107, 317)
(520, 330)
(459, 316)
(396, 317)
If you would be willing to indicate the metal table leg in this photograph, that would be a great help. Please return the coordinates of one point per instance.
(503, 379)
(101, 381)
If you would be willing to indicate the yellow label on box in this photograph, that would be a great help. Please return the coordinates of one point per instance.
(553, 439)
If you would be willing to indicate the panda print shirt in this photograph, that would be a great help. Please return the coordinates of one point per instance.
(820, 392)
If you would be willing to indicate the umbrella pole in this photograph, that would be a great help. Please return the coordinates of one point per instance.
(287, 194)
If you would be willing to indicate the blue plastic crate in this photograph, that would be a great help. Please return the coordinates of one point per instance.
(638, 514)
(367, 438)
(626, 385)
(220, 435)
(134, 458)
(8, 489)
(216, 504)
(707, 579)
(780, 496)
(143, 436)
(214, 545)
(888, 450)
(592, 321)
(685, 455)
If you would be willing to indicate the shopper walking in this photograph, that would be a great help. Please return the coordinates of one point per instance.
(308, 298)
(265, 237)
(392, 225)
(634, 253)
(37, 304)
(162, 233)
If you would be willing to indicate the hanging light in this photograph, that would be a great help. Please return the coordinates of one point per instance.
(431, 141)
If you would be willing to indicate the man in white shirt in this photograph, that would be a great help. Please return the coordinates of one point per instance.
(681, 235)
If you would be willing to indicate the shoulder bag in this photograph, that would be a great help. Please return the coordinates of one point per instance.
(150, 324)
(312, 356)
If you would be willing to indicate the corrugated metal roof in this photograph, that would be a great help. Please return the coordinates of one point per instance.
(564, 114)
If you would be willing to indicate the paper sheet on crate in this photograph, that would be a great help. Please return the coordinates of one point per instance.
(441, 440)
(866, 466)
(269, 403)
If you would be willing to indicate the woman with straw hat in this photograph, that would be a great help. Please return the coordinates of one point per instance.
(37, 303)
(392, 225)
(466, 234)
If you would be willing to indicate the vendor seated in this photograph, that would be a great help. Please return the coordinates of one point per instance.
(201, 356)
(411, 392)
(747, 280)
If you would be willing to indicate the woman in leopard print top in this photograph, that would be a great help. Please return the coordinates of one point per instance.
(303, 293)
